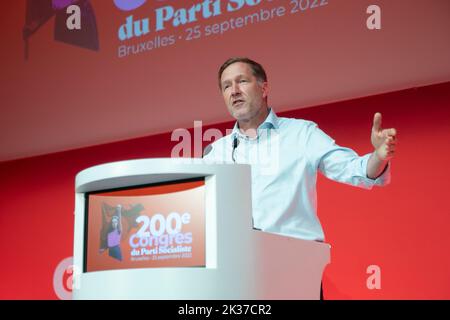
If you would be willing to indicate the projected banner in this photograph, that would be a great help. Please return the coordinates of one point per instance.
(145, 56)
(156, 226)
(164, 23)
(139, 26)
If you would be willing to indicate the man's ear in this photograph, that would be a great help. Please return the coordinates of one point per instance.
(265, 89)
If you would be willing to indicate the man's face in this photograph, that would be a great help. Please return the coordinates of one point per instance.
(244, 95)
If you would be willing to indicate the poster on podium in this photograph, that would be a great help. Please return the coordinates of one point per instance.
(161, 225)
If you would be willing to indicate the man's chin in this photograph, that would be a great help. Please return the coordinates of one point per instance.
(240, 117)
(240, 114)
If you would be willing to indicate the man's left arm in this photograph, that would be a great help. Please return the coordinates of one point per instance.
(384, 142)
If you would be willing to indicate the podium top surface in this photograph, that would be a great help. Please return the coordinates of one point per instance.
(159, 169)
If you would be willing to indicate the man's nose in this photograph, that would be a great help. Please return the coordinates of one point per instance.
(235, 90)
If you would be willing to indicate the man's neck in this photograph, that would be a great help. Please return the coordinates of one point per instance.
(249, 127)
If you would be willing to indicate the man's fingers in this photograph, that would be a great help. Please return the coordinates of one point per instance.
(389, 133)
(391, 154)
(390, 150)
(391, 140)
(392, 132)
(376, 122)
(391, 145)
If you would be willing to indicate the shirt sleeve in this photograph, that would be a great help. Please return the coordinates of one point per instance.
(340, 164)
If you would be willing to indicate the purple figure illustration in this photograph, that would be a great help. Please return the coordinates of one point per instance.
(111, 233)
(128, 5)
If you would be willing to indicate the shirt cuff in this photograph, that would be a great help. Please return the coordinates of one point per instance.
(383, 179)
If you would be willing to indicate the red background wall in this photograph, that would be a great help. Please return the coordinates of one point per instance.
(402, 228)
(319, 56)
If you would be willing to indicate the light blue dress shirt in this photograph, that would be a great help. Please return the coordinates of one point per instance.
(285, 157)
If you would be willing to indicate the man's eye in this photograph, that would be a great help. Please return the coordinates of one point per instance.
(243, 80)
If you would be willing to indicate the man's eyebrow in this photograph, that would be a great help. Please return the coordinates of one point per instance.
(239, 76)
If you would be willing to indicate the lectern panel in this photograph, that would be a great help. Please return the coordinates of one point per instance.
(153, 226)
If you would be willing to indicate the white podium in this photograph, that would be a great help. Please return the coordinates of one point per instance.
(240, 262)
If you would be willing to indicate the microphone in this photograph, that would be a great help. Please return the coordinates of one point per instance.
(235, 145)
(207, 150)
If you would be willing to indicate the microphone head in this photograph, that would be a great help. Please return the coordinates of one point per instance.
(207, 150)
(235, 142)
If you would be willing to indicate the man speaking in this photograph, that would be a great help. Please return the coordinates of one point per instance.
(285, 154)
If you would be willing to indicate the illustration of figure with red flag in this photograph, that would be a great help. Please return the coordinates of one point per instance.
(111, 233)
(117, 222)
(38, 12)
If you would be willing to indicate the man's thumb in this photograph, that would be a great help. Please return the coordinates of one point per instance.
(377, 121)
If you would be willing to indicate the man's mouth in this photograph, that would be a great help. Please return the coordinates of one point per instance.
(237, 102)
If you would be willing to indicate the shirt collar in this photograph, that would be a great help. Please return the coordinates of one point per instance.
(271, 122)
